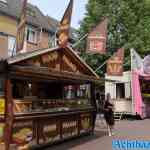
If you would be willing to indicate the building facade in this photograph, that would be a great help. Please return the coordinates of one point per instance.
(40, 29)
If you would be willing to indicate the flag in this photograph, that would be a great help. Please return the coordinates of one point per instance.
(21, 28)
(96, 40)
(146, 64)
(136, 60)
(63, 31)
(115, 63)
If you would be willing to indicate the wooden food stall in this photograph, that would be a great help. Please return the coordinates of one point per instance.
(47, 96)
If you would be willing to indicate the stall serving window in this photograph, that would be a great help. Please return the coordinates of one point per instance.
(78, 95)
(145, 89)
(1, 87)
(49, 97)
(120, 90)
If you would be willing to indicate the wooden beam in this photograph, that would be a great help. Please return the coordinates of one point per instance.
(9, 116)
(35, 71)
(93, 103)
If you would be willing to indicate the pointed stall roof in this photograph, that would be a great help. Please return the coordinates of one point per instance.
(29, 55)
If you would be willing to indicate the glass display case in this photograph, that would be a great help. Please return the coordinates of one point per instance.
(54, 97)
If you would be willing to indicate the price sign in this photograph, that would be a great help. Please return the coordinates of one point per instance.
(2, 105)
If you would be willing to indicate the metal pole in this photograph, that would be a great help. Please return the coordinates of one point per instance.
(14, 48)
(74, 45)
(55, 40)
(131, 55)
(101, 65)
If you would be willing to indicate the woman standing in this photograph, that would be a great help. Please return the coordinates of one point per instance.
(109, 114)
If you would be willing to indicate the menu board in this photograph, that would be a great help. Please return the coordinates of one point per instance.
(86, 120)
(50, 132)
(23, 134)
(145, 89)
(2, 106)
(1, 132)
(70, 128)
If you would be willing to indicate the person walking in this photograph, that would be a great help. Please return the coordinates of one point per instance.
(100, 106)
(109, 114)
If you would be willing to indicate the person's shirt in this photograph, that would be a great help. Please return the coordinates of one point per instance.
(108, 107)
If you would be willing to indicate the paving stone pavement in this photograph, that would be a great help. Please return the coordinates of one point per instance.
(127, 130)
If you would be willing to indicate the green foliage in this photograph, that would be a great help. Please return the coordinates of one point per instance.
(129, 27)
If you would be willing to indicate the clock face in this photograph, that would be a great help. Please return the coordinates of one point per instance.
(146, 65)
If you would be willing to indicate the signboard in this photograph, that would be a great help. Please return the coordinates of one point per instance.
(69, 128)
(23, 134)
(2, 146)
(1, 132)
(86, 122)
(50, 132)
(2, 106)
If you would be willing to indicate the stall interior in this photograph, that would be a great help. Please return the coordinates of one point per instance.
(145, 91)
(32, 97)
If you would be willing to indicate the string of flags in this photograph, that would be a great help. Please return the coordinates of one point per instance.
(96, 43)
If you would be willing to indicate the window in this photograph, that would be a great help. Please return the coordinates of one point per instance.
(120, 90)
(32, 35)
(77, 91)
(11, 46)
(51, 42)
(1, 87)
(96, 44)
(30, 12)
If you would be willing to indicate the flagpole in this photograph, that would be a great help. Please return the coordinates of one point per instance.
(13, 48)
(55, 40)
(82, 38)
(101, 65)
(104, 62)
(131, 56)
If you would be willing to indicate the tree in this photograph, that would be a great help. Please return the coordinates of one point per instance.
(129, 27)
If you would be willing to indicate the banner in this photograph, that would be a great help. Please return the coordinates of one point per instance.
(63, 32)
(146, 65)
(21, 28)
(115, 63)
(96, 40)
(136, 60)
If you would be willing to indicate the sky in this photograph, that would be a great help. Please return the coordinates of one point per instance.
(56, 9)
